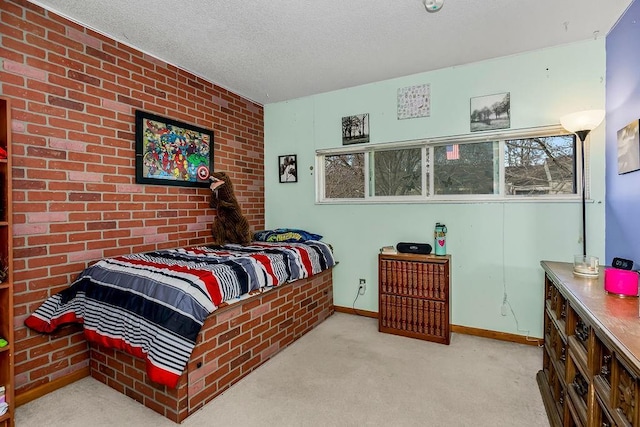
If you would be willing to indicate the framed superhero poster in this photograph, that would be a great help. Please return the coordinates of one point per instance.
(169, 152)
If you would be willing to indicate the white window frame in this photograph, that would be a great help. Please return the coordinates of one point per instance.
(427, 146)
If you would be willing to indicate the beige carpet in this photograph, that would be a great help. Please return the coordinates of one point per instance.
(343, 373)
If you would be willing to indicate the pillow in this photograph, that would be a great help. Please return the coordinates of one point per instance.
(285, 235)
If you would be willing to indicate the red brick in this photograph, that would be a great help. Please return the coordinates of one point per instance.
(48, 369)
(47, 45)
(84, 78)
(240, 339)
(84, 97)
(251, 364)
(100, 54)
(66, 124)
(65, 103)
(27, 49)
(35, 17)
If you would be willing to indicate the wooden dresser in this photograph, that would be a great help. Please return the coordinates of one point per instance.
(591, 361)
(414, 292)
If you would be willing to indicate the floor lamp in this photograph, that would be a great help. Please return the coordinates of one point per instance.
(581, 123)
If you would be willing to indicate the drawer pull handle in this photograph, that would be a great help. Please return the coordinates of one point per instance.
(582, 331)
(580, 386)
(605, 369)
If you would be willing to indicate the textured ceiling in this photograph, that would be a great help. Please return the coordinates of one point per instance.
(270, 51)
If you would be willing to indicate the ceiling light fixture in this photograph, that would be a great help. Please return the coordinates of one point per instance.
(433, 5)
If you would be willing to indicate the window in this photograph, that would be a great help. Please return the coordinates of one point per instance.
(344, 176)
(543, 165)
(397, 172)
(466, 168)
(539, 163)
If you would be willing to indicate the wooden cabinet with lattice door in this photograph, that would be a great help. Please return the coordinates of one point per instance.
(414, 292)
(6, 269)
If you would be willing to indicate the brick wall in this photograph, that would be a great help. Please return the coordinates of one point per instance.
(233, 342)
(74, 93)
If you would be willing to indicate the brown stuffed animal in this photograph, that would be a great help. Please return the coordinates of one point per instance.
(229, 225)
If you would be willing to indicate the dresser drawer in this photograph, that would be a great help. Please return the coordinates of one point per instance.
(558, 391)
(558, 309)
(579, 393)
(579, 329)
(603, 361)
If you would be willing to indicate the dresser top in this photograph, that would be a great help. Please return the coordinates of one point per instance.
(618, 318)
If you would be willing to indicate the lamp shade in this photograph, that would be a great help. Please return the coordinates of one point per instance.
(582, 120)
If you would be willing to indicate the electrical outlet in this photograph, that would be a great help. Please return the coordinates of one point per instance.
(362, 287)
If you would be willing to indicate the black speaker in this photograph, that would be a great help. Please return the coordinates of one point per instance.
(414, 248)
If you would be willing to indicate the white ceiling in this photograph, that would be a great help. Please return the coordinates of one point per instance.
(275, 50)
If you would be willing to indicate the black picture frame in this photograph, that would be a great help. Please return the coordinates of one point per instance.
(169, 152)
(355, 129)
(288, 168)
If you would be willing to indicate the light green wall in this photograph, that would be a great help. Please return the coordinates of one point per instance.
(493, 245)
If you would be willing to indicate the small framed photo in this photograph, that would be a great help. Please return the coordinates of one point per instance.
(490, 112)
(628, 148)
(288, 168)
(355, 129)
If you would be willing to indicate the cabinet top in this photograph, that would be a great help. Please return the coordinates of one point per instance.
(416, 257)
(616, 317)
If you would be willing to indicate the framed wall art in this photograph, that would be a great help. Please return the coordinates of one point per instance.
(288, 168)
(491, 112)
(169, 152)
(355, 129)
(629, 148)
(414, 101)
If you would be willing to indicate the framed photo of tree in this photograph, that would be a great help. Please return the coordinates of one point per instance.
(355, 129)
(491, 112)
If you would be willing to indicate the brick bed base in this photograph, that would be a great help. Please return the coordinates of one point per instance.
(233, 341)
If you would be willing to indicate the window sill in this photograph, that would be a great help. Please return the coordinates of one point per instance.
(454, 200)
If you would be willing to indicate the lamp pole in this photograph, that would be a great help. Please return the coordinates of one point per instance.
(582, 135)
(581, 123)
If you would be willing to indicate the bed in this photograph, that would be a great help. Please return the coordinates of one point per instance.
(174, 328)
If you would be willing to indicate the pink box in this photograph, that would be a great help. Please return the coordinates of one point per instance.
(621, 282)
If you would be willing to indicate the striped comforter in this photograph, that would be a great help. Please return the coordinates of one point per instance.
(153, 305)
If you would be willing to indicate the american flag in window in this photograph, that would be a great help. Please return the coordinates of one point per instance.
(453, 152)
